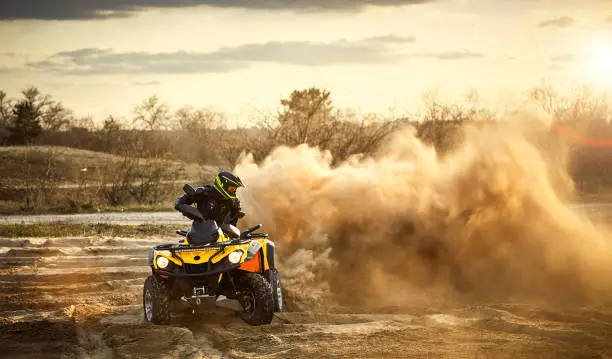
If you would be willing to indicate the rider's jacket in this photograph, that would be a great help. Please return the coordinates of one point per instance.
(211, 204)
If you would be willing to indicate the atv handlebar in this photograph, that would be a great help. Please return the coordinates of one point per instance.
(249, 236)
(252, 229)
(257, 235)
(248, 233)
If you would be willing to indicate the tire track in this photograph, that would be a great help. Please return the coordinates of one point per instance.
(43, 281)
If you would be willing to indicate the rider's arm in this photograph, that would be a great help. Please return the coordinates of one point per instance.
(184, 202)
(237, 212)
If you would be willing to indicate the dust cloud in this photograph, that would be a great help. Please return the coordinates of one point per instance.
(488, 221)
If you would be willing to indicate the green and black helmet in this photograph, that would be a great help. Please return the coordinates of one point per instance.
(227, 183)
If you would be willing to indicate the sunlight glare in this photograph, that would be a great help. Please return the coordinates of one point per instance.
(600, 63)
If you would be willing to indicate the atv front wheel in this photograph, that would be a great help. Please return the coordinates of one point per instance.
(277, 289)
(256, 299)
(155, 301)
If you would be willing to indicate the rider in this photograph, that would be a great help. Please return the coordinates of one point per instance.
(217, 201)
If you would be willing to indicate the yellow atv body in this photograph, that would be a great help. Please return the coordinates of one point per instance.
(236, 270)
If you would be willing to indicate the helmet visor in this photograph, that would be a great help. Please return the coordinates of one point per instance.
(231, 189)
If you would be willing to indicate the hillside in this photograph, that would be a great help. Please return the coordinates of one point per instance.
(51, 179)
(18, 165)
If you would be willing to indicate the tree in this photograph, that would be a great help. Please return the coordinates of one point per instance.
(25, 119)
(27, 115)
(55, 117)
(307, 117)
(6, 117)
(197, 122)
(111, 125)
(441, 124)
(83, 123)
(25, 126)
(199, 130)
(360, 135)
(152, 114)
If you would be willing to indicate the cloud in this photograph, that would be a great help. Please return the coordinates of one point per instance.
(10, 54)
(565, 58)
(146, 83)
(561, 22)
(108, 62)
(453, 55)
(104, 9)
(13, 70)
(370, 51)
(95, 61)
(7, 69)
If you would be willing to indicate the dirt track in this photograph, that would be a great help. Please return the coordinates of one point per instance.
(125, 218)
(593, 210)
(80, 298)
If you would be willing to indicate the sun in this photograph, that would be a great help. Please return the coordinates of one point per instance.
(602, 59)
(599, 63)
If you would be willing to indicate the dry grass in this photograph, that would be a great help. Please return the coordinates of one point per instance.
(51, 179)
(18, 164)
(56, 230)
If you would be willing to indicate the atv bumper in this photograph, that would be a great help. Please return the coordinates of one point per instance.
(194, 271)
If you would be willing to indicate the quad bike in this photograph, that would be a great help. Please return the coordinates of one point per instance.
(214, 264)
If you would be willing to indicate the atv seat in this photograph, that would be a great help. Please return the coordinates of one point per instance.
(201, 232)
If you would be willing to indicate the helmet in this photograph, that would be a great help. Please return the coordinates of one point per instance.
(227, 183)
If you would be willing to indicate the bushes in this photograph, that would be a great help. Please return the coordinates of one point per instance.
(58, 179)
(135, 180)
(140, 174)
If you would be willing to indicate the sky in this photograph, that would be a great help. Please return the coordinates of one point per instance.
(240, 57)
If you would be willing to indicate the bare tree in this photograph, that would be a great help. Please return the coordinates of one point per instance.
(440, 124)
(231, 144)
(582, 106)
(84, 122)
(40, 188)
(6, 117)
(56, 117)
(198, 127)
(5, 108)
(360, 135)
(152, 114)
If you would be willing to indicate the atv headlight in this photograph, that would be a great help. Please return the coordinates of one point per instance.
(162, 262)
(235, 256)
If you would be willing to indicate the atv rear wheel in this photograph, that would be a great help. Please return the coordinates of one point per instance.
(256, 299)
(277, 289)
(155, 301)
